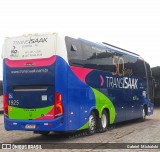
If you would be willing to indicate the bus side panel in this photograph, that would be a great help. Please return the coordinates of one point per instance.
(81, 100)
(99, 80)
(92, 78)
(78, 98)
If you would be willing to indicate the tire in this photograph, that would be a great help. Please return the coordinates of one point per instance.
(92, 124)
(103, 122)
(143, 118)
(43, 133)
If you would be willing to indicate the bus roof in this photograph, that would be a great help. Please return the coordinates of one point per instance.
(55, 44)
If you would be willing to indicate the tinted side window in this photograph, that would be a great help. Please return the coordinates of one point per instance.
(96, 57)
(134, 66)
(89, 56)
(105, 61)
(129, 64)
(75, 54)
(140, 69)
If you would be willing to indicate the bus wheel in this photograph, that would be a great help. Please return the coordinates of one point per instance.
(92, 124)
(103, 122)
(143, 115)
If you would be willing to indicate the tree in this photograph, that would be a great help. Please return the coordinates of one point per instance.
(156, 72)
(156, 76)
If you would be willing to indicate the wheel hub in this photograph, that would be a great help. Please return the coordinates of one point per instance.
(104, 121)
(91, 122)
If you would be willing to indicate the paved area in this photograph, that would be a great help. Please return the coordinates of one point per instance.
(1, 103)
(126, 132)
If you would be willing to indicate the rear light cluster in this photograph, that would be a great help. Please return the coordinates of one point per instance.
(58, 107)
(5, 102)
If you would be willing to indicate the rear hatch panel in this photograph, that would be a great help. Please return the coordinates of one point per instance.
(31, 92)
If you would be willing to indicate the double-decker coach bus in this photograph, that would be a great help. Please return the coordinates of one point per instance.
(56, 83)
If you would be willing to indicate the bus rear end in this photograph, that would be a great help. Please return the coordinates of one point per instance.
(31, 101)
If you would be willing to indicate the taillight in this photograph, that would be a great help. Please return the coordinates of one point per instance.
(5, 102)
(58, 107)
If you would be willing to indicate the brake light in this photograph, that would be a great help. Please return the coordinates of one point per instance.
(58, 107)
(5, 102)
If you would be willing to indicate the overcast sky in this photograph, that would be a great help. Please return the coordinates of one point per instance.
(130, 24)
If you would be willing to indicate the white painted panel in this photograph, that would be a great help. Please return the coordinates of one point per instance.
(30, 46)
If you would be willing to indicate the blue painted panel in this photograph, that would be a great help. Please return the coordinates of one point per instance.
(30, 76)
(75, 95)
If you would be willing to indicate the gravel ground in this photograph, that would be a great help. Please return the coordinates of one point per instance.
(1, 103)
(126, 132)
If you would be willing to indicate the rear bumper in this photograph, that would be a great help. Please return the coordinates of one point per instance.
(57, 124)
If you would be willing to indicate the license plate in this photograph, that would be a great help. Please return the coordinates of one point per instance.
(30, 126)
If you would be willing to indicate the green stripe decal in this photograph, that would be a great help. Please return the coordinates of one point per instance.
(104, 102)
(26, 114)
(85, 126)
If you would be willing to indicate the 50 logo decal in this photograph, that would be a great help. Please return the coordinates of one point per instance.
(119, 64)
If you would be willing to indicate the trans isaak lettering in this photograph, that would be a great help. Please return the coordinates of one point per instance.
(125, 82)
(30, 41)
